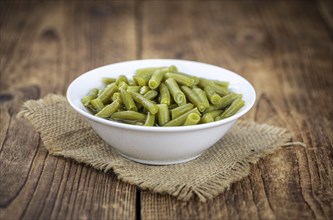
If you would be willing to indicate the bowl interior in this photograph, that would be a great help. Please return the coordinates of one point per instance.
(92, 79)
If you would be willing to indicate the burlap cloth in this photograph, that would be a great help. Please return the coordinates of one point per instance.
(65, 133)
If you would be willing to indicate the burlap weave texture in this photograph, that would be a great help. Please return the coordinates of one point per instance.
(65, 133)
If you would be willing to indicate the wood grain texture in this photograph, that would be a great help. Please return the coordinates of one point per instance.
(284, 48)
(41, 53)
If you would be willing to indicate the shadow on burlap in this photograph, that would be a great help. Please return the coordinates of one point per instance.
(65, 133)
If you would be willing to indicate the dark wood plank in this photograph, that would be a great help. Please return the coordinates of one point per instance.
(44, 45)
(283, 48)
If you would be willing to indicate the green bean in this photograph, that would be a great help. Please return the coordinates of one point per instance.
(100, 91)
(144, 90)
(177, 95)
(146, 71)
(142, 77)
(133, 89)
(176, 112)
(181, 79)
(158, 96)
(108, 80)
(150, 121)
(91, 95)
(122, 85)
(232, 109)
(194, 98)
(221, 83)
(225, 101)
(97, 104)
(219, 90)
(146, 103)
(107, 93)
(202, 96)
(196, 79)
(180, 120)
(132, 83)
(117, 96)
(210, 116)
(129, 115)
(151, 94)
(131, 122)
(128, 100)
(121, 78)
(164, 94)
(163, 115)
(156, 79)
(213, 97)
(108, 110)
(172, 69)
(192, 119)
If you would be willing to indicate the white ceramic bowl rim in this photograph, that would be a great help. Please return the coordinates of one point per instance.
(240, 113)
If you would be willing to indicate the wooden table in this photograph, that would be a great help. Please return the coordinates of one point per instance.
(284, 48)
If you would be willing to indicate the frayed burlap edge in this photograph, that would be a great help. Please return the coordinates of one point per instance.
(204, 192)
(219, 183)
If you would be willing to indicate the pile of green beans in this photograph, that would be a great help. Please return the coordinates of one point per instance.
(162, 96)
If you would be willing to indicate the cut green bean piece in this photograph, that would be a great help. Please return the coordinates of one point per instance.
(146, 103)
(108, 110)
(194, 98)
(107, 93)
(213, 97)
(163, 115)
(151, 94)
(129, 115)
(128, 100)
(210, 116)
(164, 94)
(218, 89)
(232, 109)
(91, 95)
(133, 89)
(202, 96)
(97, 104)
(132, 83)
(192, 119)
(196, 79)
(221, 83)
(146, 71)
(180, 120)
(176, 112)
(121, 78)
(117, 96)
(177, 95)
(156, 79)
(123, 85)
(150, 121)
(144, 90)
(181, 79)
(172, 69)
(108, 80)
(225, 101)
(143, 78)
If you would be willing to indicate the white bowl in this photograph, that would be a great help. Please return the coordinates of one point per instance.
(159, 145)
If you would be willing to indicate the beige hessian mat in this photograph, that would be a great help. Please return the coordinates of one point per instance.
(65, 133)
